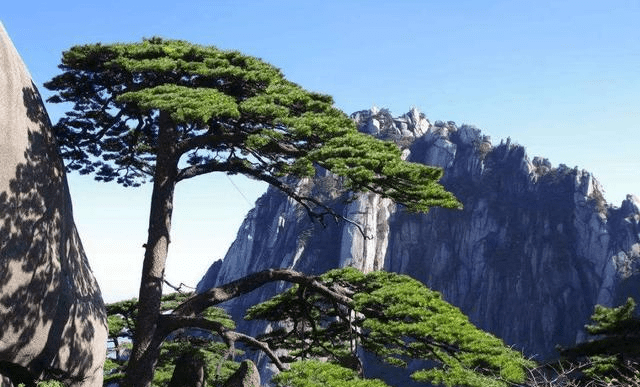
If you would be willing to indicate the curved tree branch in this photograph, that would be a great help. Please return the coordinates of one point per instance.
(253, 342)
(187, 314)
(309, 203)
(170, 323)
(197, 303)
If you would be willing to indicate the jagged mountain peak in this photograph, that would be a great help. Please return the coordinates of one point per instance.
(380, 123)
(531, 253)
(438, 143)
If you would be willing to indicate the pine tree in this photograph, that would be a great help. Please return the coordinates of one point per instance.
(615, 349)
(166, 111)
(392, 316)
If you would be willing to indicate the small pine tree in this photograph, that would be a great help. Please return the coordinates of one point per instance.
(616, 345)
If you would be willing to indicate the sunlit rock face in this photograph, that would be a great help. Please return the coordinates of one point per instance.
(531, 253)
(52, 317)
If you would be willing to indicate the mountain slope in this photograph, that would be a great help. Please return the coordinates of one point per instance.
(531, 253)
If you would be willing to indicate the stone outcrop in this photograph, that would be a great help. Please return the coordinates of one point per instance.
(189, 371)
(246, 376)
(531, 253)
(53, 321)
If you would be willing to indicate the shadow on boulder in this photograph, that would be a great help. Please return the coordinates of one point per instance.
(51, 310)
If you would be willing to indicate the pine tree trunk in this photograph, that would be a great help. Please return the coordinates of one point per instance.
(145, 351)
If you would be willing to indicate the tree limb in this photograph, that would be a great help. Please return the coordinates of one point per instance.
(251, 341)
(170, 323)
(310, 204)
(197, 303)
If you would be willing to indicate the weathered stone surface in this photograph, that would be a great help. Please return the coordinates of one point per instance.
(52, 316)
(246, 376)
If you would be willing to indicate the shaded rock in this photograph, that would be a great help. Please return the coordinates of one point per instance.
(51, 310)
(246, 376)
(189, 371)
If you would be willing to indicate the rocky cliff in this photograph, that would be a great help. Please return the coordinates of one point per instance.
(531, 253)
(52, 317)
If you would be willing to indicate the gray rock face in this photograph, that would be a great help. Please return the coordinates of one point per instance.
(246, 376)
(531, 253)
(53, 321)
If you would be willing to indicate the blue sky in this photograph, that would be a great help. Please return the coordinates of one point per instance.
(560, 77)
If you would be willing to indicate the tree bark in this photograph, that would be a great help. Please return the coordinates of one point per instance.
(145, 351)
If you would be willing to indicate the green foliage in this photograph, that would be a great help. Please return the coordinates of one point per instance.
(228, 112)
(602, 366)
(219, 315)
(184, 104)
(211, 353)
(113, 370)
(214, 354)
(617, 344)
(46, 383)
(398, 319)
(612, 320)
(392, 316)
(371, 164)
(116, 324)
(314, 373)
(411, 320)
(121, 316)
(169, 110)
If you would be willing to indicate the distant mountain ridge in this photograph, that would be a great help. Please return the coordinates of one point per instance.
(531, 253)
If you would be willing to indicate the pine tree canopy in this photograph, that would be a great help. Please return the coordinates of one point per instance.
(224, 111)
(617, 320)
(394, 317)
(615, 346)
